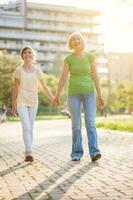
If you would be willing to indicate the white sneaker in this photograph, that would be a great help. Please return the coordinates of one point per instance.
(76, 158)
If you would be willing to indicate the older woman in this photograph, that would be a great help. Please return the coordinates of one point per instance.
(83, 76)
(25, 96)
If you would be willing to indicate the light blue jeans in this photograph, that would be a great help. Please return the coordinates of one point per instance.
(89, 106)
(27, 116)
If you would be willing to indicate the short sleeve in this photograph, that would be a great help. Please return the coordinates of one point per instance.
(39, 73)
(17, 73)
(67, 60)
(92, 57)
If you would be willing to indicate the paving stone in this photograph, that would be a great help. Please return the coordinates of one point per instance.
(53, 176)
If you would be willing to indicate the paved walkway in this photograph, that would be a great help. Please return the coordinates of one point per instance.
(54, 176)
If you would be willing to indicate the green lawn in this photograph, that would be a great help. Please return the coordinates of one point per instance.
(40, 117)
(121, 123)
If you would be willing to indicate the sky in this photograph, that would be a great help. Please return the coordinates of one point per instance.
(116, 20)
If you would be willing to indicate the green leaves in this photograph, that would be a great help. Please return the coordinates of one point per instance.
(123, 97)
(8, 63)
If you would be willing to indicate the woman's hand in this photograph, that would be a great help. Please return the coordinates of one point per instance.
(100, 102)
(14, 110)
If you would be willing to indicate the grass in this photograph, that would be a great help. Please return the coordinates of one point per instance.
(39, 117)
(120, 123)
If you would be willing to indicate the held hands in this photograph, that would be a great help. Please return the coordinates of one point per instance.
(55, 102)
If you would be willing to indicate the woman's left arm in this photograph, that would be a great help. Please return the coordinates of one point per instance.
(97, 83)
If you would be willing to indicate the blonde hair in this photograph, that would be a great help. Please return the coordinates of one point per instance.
(72, 35)
(24, 49)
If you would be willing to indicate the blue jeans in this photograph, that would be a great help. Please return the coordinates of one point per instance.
(27, 116)
(89, 106)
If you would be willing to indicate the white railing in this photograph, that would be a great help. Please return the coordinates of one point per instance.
(59, 18)
(15, 22)
(58, 28)
(31, 36)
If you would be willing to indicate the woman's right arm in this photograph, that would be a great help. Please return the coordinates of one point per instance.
(14, 96)
(62, 80)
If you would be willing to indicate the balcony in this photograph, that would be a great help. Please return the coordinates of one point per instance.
(59, 28)
(46, 47)
(10, 46)
(15, 22)
(61, 18)
(31, 36)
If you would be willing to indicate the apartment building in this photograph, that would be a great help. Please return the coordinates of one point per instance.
(46, 28)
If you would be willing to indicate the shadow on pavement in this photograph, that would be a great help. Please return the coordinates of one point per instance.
(58, 189)
(14, 168)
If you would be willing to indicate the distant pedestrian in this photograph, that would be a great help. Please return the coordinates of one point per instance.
(83, 76)
(25, 96)
(3, 116)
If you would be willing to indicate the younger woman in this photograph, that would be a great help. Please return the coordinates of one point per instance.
(25, 96)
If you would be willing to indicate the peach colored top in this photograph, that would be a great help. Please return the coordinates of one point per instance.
(28, 88)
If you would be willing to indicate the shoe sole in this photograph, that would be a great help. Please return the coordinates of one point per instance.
(29, 159)
(76, 159)
(97, 157)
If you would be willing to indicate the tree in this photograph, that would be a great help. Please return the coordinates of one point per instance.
(44, 103)
(8, 63)
(121, 97)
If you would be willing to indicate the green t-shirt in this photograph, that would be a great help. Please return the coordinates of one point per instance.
(80, 80)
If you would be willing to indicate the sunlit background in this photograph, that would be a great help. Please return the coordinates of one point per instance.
(45, 25)
(116, 20)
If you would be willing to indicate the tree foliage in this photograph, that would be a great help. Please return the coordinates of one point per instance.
(122, 97)
(44, 103)
(8, 63)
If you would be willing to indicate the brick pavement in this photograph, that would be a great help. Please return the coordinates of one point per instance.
(54, 176)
